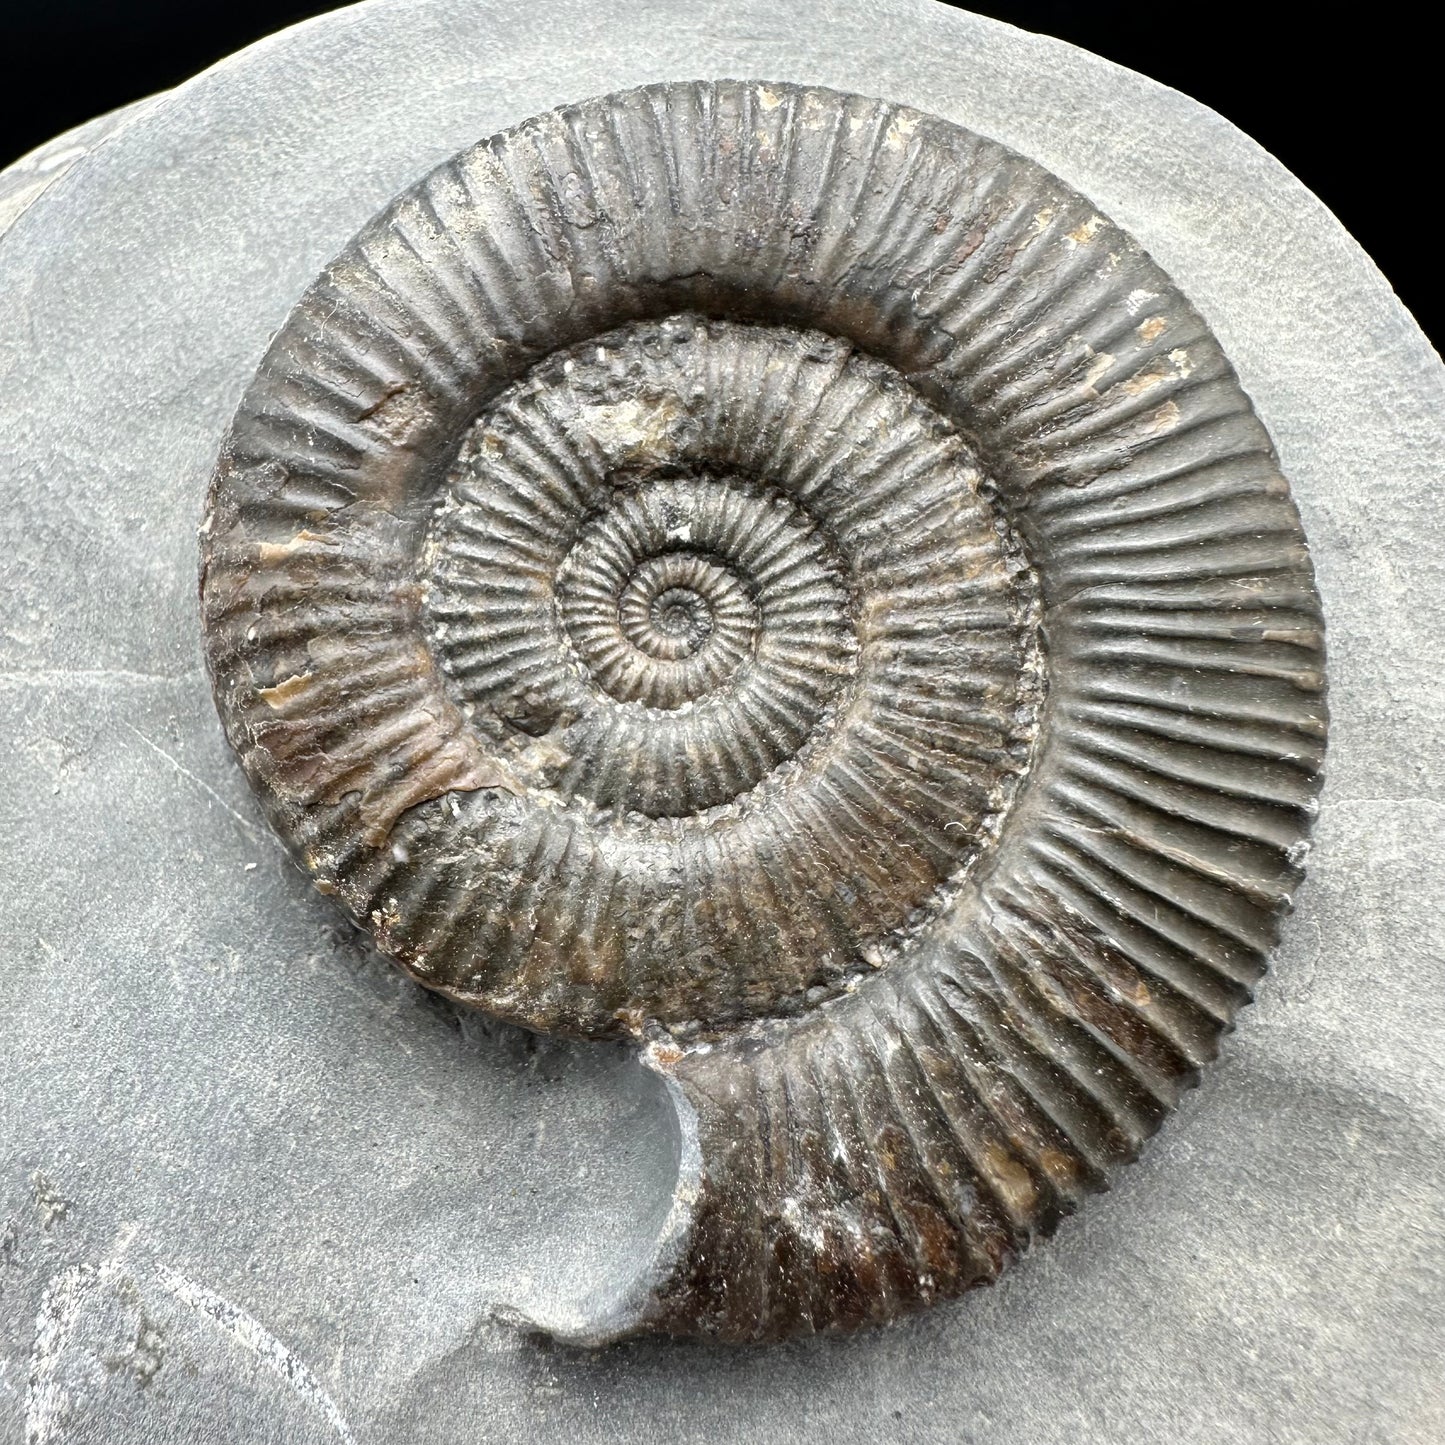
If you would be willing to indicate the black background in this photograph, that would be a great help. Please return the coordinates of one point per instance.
(1346, 96)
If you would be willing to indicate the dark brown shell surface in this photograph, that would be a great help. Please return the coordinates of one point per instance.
(772, 574)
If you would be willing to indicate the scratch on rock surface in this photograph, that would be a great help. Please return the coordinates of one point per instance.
(47, 1402)
(201, 783)
(1336, 803)
(90, 677)
(50, 1203)
(254, 1336)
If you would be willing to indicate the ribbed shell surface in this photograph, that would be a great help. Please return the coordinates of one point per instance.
(773, 574)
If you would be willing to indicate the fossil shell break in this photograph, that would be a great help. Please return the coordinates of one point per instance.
(772, 573)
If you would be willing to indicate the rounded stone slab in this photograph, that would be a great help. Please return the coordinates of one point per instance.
(1290, 1268)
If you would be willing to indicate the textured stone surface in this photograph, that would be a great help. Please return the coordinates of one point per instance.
(250, 1176)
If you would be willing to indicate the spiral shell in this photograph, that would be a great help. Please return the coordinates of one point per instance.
(771, 574)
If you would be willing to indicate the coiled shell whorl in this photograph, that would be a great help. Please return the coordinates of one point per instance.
(771, 574)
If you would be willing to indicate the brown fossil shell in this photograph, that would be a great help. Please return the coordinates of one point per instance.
(772, 574)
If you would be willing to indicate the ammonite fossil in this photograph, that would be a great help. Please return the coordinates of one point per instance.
(772, 575)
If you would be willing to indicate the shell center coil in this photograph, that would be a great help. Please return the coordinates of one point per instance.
(730, 609)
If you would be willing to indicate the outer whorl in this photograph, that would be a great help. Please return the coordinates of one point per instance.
(772, 574)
